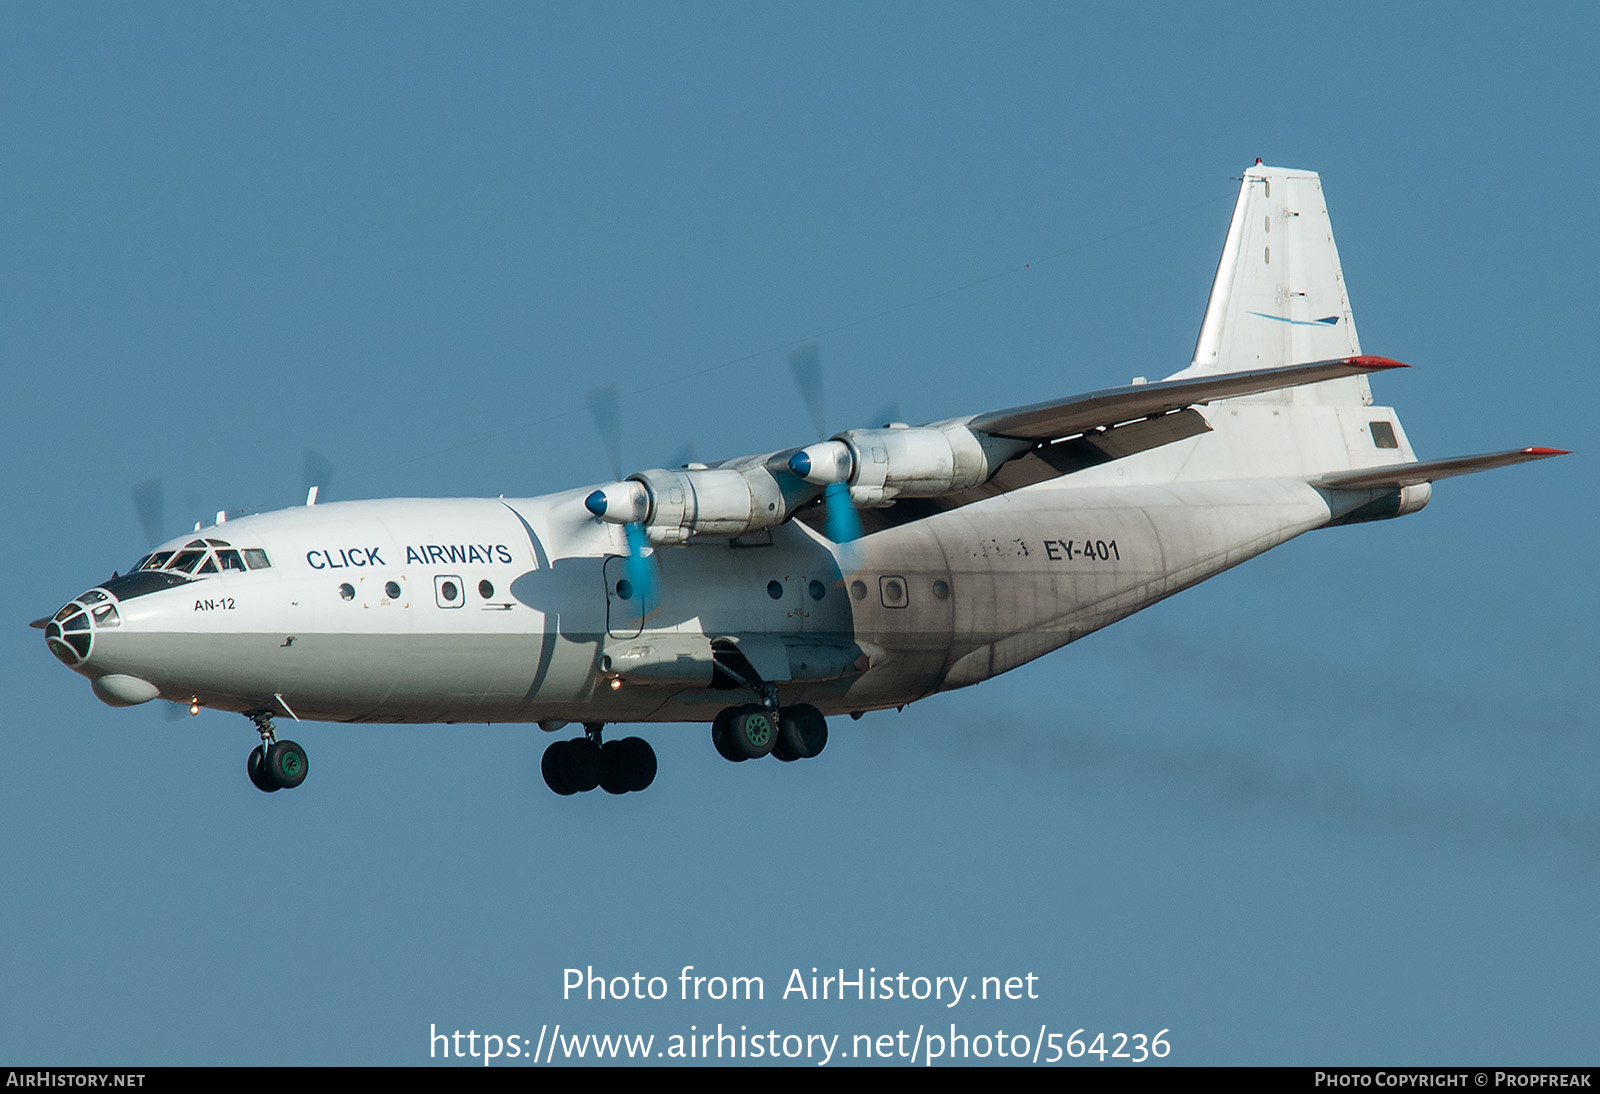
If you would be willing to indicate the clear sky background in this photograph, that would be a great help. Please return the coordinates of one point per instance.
(1337, 805)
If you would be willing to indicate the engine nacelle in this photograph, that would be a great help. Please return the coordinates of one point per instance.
(674, 505)
(762, 492)
(923, 461)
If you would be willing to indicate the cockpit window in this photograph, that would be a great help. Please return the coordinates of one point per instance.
(186, 560)
(201, 557)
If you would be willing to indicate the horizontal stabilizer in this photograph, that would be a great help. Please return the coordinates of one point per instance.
(1113, 406)
(1396, 476)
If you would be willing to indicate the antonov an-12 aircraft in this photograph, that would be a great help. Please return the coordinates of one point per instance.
(766, 593)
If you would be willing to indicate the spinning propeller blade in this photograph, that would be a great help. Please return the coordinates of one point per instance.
(318, 473)
(844, 523)
(148, 501)
(805, 364)
(605, 406)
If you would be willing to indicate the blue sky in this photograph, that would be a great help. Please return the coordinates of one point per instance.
(1334, 806)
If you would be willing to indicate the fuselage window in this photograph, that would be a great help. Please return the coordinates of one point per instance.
(485, 589)
(348, 591)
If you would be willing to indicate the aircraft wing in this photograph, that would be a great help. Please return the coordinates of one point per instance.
(1398, 475)
(1085, 430)
(1113, 406)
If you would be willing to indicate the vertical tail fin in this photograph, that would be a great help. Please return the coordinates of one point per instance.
(1279, 296)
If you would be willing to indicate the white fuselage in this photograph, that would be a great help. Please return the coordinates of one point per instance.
(496, 610)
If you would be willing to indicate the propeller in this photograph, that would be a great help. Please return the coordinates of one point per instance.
(318, 473)
(625, 497)
(827, 463)
(685, 456)
(148, 502)
(149, 496)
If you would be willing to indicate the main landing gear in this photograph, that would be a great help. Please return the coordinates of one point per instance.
(274, 764)
(750, 732)
(583, 763)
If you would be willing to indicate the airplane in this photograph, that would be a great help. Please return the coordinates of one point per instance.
(767, 593)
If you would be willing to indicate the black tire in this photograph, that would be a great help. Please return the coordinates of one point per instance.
(580, 765)
(722, 740)
(615, 776)
(260, 777)
(751, 732)
(802, 731)
(287, 764)
(642, 763)
(553, 769)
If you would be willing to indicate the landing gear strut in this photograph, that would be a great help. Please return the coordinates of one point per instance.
(583, 763)
(274, 764)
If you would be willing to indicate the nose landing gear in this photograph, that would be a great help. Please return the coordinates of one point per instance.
(273, 764)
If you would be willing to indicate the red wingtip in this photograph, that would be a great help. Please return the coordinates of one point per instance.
(1373, 364)
(1548, 451)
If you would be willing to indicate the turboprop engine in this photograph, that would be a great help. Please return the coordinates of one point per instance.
(927, 461)
(700, 501)
(743, 496)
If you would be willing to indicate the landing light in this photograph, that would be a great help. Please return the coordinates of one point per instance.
(616, 683)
